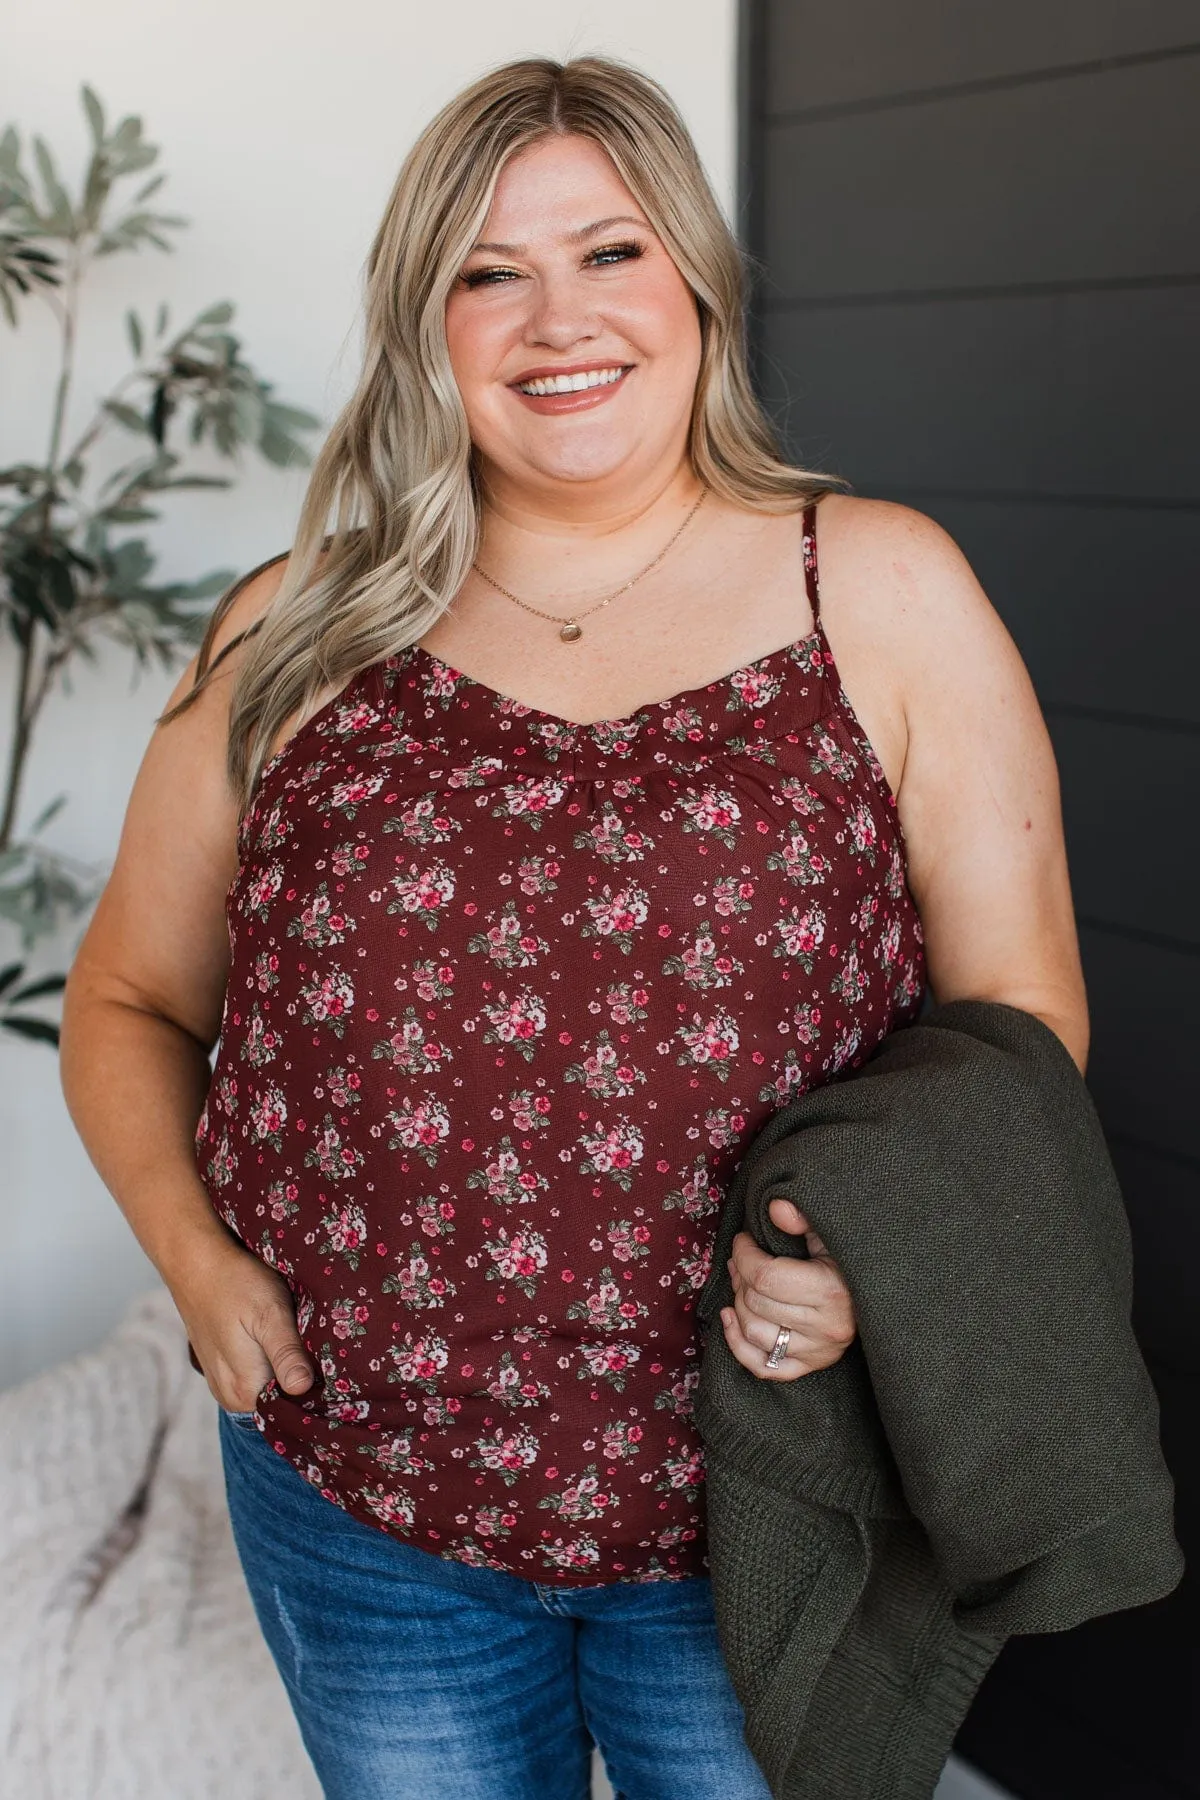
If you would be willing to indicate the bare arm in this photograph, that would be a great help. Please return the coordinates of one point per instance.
(943, 694)
(142, 1012)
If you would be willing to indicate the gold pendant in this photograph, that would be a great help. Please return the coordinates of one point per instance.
(570, 631)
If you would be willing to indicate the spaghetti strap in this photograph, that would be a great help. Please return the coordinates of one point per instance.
(809, 542)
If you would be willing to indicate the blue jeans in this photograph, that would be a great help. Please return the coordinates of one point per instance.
(417, 1678)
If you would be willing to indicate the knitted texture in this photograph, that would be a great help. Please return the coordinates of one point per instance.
(984, 1460)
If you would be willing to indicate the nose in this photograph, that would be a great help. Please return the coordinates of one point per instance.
(562, 311)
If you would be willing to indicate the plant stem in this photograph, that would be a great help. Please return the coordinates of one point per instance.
(20, 739)
(66, 367)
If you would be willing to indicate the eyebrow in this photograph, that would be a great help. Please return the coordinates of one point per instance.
(571, 237)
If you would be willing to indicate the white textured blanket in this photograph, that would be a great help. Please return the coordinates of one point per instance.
(131, 1664)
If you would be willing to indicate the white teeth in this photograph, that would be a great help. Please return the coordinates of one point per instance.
(571, 384)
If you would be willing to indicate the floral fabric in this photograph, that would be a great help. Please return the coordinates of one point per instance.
(508, 997)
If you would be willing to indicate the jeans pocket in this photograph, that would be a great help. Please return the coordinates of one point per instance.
(246, 1421)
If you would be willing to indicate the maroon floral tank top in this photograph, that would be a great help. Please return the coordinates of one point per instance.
(509, 996)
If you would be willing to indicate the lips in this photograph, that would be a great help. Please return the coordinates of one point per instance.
(559, 390)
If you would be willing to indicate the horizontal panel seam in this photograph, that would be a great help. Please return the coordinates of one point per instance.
(1032, 497)
(1157, 940)
(1006, 290)
(983, 84)
(1104, 715)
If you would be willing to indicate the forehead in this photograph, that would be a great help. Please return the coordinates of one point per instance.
(555, 187)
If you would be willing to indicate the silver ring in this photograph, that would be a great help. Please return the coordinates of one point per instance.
(779, 1348)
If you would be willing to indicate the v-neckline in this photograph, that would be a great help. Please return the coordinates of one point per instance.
(759, 663)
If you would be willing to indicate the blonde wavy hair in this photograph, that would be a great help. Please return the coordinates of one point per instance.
(391, 519)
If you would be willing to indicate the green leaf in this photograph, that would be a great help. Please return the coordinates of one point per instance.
(127, 416)
(151, 187)
(12, 972)
(48, 984)
(60, 216)
(219, 314)
(134, 327)
(38, 1029)
(47, 813)
(95, 115)
(161, 322)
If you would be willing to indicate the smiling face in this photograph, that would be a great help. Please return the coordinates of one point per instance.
(574, 339)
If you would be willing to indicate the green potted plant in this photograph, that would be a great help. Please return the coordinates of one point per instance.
(74, 568)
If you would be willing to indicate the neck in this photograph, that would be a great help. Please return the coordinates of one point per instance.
(584, 523)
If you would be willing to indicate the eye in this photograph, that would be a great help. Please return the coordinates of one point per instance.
(615, 253)
(488, 277)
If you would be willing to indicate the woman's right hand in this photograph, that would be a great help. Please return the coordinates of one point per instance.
(241, 1321)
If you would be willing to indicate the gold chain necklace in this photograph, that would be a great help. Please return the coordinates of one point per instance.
(569, 630)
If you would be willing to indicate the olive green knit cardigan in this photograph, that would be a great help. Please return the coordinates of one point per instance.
(984, 1460)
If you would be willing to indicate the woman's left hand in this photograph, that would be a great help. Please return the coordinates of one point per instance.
(809, 1297)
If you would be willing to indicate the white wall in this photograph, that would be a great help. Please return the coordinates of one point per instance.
(283, 123)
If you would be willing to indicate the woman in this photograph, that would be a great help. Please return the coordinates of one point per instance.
(518, 960)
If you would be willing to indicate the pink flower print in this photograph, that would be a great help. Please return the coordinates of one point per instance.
(266, 971)
(506, 1454)
(348, 1319)
(259, 1044)
(222, 1166)
(260, 892)
(344, 859)
(435, 1217)
(421, 1126)
(608, 1362)
(347, 796)
(714, 811)
(418, 1283)
(418, 1360)
(693, 1268)
(629, 1242)
(606, 1071)
(516, 1022)
(697, 1196)
(508, 944)
(390, 1507)
(863, 834)
(355, 718)
(519, 1258)
(268, 1116)
(580, 1553)
(798, 860)
(618, 916)
(801, 796)
(806, 1023)
(754, 686)
(844, 1046)
(611, 839)
(706, 963)
(423, 893)
(529, 800)
(615, 1151)
(345, 1233)
(582, 1498)
(888, 947)
(731, 897)
(494, 1522)
(709, 1043)
(408, 1048)
(678, 1399)
(829, 757)
(801, 935)
(328, 1000)
(682, 1474)
(607, 1306)
(396, 1454)
(344, 1088)
(626, 1004)
(331, 1156)
(851, 980)
(513, 1385)
(620, 1440)
(321, 921)
(506, 1180)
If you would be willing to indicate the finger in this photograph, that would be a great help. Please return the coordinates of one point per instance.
(281, 1343)
(748, 1259)
(787, 1217)
(752, 1357)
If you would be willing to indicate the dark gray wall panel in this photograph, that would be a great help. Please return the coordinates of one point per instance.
(885, 206)
(1093, 596)
(1130, 807)
(1061, 395)
(856, 49)
(1145, 1063)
